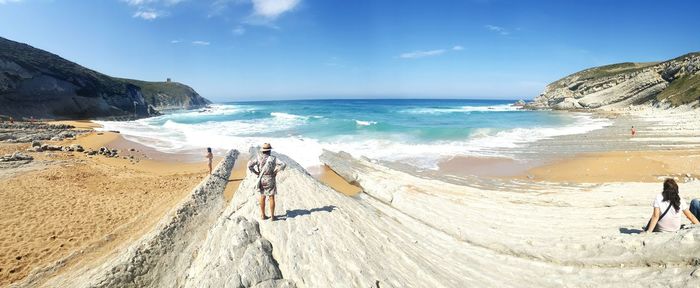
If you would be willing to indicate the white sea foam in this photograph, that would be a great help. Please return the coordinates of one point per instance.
(288, 116)
(484, 142)
(365, 123)
(241, 134)
(463, 109)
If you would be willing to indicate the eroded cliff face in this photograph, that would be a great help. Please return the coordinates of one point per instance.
(665, 84)
(36, 83)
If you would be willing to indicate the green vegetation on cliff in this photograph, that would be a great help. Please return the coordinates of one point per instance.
(614, 69)
(681, 91)
(168, 95)
(34, 82)
(669, 83)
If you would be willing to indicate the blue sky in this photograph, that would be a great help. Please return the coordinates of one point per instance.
(301, 49)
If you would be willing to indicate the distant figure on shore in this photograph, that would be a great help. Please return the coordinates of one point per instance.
(210, 157)
(634, 131)
(266, 167)
(12, 120)
(668, 205)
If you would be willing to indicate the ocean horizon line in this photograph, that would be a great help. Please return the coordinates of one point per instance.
(369, 99)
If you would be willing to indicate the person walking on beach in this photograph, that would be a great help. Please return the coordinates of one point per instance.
(266, 167)
(634, 131)
(209, 156)
(666, 216)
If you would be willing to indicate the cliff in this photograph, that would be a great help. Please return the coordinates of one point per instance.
(34, 82)
(169, 95)
(662, 84)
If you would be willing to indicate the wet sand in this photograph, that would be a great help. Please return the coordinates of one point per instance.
(239, 172)
(327, 176)
(622, 166)
(485, 166)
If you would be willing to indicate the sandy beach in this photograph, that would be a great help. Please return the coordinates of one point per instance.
(73, 208)
(66, 206)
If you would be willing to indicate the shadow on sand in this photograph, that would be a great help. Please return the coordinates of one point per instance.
(302, 212)
(624, 230)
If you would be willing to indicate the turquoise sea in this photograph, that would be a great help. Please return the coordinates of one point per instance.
(416, 132)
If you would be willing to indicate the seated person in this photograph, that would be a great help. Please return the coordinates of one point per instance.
(668, 205)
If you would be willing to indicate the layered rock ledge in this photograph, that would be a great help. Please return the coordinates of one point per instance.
(662, 84)
(402, 231)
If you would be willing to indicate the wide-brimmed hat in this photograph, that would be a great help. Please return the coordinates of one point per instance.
(266, 147)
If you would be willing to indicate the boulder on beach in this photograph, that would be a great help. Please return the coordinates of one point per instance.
(17, 156)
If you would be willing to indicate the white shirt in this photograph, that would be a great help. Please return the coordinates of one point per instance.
(672, 221)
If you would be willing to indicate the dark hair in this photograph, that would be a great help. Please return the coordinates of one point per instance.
(266, 152)
(209, 149)
(670, 193)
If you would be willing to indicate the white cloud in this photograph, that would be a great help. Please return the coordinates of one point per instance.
(240, 30)
(146, 2)
(147, 14)
(272, 9)
(175, 41)
(147, 8)
(421, 54)
(9, 1)
(497, 29)
(429, 53)
(200, 43)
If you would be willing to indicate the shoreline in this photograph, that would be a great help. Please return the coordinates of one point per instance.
(109, 213)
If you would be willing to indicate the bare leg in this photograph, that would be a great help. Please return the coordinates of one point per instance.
(262, 207)
(209, 167)
(272, 206)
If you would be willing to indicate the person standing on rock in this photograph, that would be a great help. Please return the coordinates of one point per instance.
(266, 167)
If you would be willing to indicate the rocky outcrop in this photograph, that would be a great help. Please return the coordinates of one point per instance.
(37, 83)
(402, 231)
(235, 255)
(25, 132)
(17, 156)
(665, 84)
(544, 227)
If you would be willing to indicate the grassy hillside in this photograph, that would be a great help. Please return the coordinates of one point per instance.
(681, 91)
(37, 60)
(37, 82)
(683, 87)
(168, 94)
(614, 69)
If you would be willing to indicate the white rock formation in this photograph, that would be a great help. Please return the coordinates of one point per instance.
(582, 230)
(403, 231)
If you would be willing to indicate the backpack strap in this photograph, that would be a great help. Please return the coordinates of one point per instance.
(669, 208)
